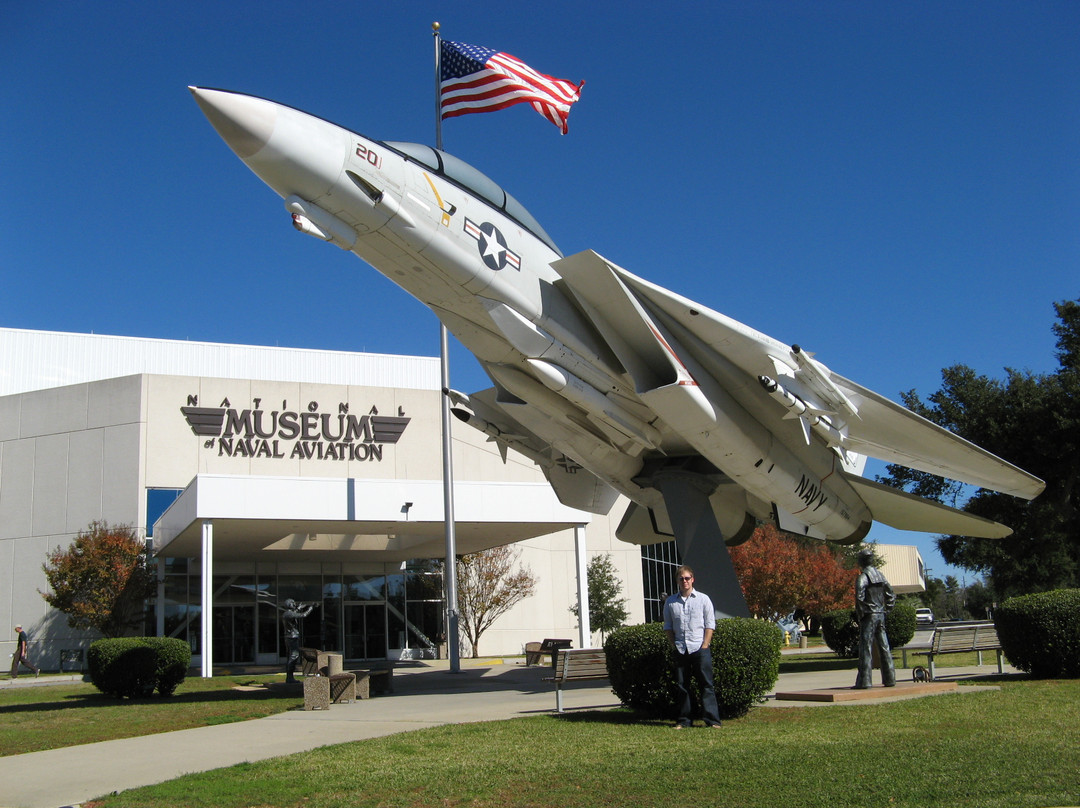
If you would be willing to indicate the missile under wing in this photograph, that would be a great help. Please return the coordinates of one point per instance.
(609, 383)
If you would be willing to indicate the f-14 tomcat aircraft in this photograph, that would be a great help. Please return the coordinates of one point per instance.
(609, 383)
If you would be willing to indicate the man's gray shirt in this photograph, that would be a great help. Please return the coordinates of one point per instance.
(688, 618)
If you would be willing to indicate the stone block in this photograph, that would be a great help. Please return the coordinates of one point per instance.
(316, 693)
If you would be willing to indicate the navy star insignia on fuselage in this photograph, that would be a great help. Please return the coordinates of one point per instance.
(492, 245)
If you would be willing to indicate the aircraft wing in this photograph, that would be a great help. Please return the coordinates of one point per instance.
(575, 487)
(895, 434)
(878, 427)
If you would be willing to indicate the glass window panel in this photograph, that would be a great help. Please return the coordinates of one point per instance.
(365, 587)
(176, 606)
(269, 632)
(424, 586)
(425, 625)
(176, 565)
(158, 501)
(395, 587)
(234, 589)
(301, 588)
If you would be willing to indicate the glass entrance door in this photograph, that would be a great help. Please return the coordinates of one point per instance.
(365, 631)
(234, 634)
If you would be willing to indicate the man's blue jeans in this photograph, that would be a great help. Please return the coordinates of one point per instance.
(699, 666)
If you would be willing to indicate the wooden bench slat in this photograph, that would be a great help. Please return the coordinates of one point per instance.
(977, 637)
(573, 664)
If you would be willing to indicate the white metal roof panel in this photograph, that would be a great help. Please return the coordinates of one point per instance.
(35, 360)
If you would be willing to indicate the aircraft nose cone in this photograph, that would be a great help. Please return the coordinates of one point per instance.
(244, 122)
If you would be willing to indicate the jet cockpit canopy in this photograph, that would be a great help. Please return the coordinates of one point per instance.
(475, 182)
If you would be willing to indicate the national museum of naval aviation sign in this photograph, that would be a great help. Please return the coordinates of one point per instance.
(295, 434)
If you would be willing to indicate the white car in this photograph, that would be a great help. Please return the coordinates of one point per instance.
(924, 617)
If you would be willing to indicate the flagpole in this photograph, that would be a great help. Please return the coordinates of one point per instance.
(438, 81)
(450, 567)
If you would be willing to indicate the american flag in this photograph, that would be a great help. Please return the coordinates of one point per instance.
(476, 79)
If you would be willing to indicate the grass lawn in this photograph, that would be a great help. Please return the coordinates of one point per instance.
(1013, 747)
(36, 718)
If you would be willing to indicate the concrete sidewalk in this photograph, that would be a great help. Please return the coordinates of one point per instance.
(425, 695)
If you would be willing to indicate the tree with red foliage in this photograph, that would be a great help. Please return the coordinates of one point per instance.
(831, 584)
(101, 581)
(780, 574)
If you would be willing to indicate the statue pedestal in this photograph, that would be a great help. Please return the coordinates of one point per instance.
(842, 694)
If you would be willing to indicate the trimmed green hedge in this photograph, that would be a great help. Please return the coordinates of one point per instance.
(746, 664)
(840, 630)
(137, 666)
(173, 661)
(1040, 633)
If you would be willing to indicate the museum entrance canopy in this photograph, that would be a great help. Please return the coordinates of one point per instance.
(220, 518)
(335, 519)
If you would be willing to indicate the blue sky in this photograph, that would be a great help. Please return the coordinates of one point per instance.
(895, 186)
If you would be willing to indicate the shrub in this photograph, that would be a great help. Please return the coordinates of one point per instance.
(1040, 633)
(746, 664)
(840, 630)
(900, 625)
(122, 666)
(135, 666)
(639, 663)
(173, 661)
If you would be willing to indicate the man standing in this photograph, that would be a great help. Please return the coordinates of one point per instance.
(20, 655)
(689, 622)
(873, 599)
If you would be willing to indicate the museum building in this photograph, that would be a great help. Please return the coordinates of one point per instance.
(258, 474)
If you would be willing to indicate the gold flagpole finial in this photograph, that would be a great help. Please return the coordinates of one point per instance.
(435, 27)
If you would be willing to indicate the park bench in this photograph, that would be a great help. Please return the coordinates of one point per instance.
(959, 639)
(322, 691)
(309, 661)
(373, 681)
(577, 664)
(534, 650)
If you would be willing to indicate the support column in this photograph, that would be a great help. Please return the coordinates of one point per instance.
(450, 567)
(584, 629)
(701, 543)
(160, 611)
(207, 600)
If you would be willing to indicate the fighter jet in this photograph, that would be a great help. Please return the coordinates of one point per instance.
(611, 384)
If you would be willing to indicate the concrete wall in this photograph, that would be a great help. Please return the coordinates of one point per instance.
(68, 456)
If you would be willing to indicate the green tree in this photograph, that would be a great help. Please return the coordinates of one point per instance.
(606, 609)
(1032, 420)
(101, 581)
(488, 586)
(979, 600)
